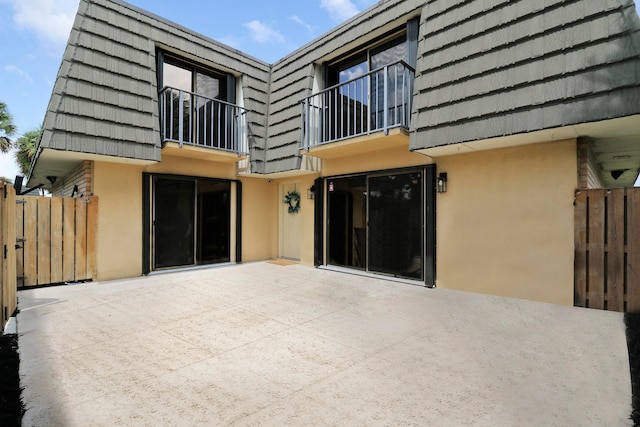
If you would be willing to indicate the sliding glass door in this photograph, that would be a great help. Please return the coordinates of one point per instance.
(376, 222)
(174, 222)
(190, 221)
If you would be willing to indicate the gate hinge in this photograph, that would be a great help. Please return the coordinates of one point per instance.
(20, 240)
(21, 201)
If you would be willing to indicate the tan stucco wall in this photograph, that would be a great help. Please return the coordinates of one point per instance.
(193, 167)
(374, 160)
(119, 188)
(505, 224)
(119, 191)
(259, 219)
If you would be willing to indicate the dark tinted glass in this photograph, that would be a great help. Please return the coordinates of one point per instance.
(395, 225)
(174, 222)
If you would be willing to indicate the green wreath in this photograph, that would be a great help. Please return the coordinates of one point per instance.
(293, 200)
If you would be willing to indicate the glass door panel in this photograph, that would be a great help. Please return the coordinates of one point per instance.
(396, 50)
(214, 222)
(211, 116)
(396, 225)
(179, 79)
(173, 222)
(347, 213)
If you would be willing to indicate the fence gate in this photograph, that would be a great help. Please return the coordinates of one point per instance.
(607, 249)
(57, 238)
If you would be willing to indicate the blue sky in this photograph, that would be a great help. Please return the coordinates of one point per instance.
(34, 34)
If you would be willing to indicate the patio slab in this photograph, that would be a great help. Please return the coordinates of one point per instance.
(269, 344)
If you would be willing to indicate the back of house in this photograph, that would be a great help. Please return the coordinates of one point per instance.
(436, 142)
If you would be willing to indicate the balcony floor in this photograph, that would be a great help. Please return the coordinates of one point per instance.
(396, 138)
(201, 153)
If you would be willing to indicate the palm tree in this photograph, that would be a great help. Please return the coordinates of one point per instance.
(27, 145)
(7, 128)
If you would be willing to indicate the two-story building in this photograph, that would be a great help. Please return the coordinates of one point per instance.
(439, 142)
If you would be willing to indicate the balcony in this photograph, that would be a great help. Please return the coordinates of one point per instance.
(372, 111)
(209, 128)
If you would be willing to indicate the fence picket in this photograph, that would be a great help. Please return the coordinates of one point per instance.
(56, 240)
(81, 239)
(595, 256)
(92, 234)
(30, 251)
(633, 250)
(615, 250)
(44, 240)
(20, 235)
(580, 260)
(8, 284)
(69, 240)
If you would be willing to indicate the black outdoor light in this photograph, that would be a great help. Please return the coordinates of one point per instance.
(615, 174)
(442, 182)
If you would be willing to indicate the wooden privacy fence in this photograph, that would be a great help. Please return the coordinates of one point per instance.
(607, 249)
(58, 239)
(8, 298)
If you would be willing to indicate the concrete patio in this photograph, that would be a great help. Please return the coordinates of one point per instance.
(268, 344)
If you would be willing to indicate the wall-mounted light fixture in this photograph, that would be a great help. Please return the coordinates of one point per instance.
(615, 174)
(311, 192)
(442, 182)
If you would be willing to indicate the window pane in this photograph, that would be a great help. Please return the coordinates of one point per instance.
(396, 51)
(214, 221)
(388, 54)
(347, 221)
(208, 86)
(395, 225)
(213, 129)
(176, 77)
(174, 222)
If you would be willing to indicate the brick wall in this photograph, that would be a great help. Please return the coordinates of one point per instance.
(588, 170)
(81, 176)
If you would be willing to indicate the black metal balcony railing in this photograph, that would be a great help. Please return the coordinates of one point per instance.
(189, 118)
(376, 101)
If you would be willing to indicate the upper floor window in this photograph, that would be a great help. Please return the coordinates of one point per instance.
(367, 90)
(183, 76)
(389, 51)
(197, 104)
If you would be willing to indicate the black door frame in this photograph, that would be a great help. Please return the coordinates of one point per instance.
(147, 224)
(429, 212)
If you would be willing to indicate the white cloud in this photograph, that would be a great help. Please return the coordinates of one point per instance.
(352, 73)
(262, 33)
(300, 21)
(339, 10)
(19, 71)
(51, 19)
